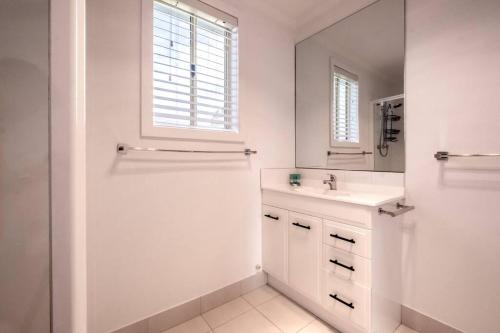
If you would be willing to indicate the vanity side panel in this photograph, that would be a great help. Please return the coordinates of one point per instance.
(386, 272)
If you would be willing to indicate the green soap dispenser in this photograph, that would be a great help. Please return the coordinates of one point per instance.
(294, 179)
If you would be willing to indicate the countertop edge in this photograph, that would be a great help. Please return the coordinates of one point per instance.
(343, 200)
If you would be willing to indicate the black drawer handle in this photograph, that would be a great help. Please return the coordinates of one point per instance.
(301, 225)
(342, 238)
(335, 297)
(351, 268)
(272, 217)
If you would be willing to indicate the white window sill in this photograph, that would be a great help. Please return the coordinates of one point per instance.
(191, 134)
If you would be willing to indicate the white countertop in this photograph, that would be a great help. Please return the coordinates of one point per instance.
(372, 199)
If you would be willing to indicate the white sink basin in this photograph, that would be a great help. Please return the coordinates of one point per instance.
(321, 191)
(367, 198)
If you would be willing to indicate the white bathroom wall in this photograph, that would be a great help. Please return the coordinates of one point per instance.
(24, 167)
(452, 239)
(166, 228)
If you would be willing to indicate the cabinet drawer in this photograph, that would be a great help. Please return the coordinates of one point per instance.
(346, 266)
(274, 233)
(304, 254)
(348, 238)
(347, 300)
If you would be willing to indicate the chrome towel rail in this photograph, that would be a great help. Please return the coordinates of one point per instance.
(339, 153)
(401, 210)
(123, 149)
(444, 155)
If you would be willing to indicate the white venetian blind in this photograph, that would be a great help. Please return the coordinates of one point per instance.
(194, 70)
(345, 107)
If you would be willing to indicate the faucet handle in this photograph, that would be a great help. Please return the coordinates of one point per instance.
(332, 176)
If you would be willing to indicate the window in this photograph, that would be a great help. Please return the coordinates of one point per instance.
(345, 120)
(191, 91)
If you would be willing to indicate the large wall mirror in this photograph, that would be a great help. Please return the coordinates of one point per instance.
(350, 92)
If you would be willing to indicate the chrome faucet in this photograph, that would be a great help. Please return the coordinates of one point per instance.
(332, 182)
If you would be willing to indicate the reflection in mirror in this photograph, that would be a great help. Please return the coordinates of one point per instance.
(349, 92)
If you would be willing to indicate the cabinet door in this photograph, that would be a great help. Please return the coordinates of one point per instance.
(274, 233)
(304, 248)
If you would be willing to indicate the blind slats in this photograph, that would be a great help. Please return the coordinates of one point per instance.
(193, 103)
(178, 85)
(180, 54)
(166, 110)
(345, 107)
(222, 37)
(187, 37)
(176, 92)
(220, 80)
(209, 56)
(188, 63)
(185, 78)
(173, 13)
(180, 117)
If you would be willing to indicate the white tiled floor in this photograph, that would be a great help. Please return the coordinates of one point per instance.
(262, 310)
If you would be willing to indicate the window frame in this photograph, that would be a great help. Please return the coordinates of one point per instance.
(333, 142)
(147, 126)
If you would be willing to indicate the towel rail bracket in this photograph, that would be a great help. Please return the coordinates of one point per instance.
(401, 209)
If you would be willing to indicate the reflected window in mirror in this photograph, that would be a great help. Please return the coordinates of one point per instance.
(345, 117)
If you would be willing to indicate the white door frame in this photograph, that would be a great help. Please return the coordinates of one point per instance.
(67, 94)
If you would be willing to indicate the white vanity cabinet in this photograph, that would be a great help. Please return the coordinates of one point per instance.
(342, 261)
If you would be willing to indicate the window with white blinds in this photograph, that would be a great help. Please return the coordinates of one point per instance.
(345, 118)
(194, 69)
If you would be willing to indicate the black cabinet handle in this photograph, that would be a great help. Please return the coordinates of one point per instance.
(301, 225)
(272, 217)
(342, 238)
(351, 268)
(335, 297)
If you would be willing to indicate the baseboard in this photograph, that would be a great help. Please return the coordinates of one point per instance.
(177, 315)
(424, 324)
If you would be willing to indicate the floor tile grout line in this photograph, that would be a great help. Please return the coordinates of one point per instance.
(293, 302)
(206, 322)
(277, 294)
(300, 307)
(269, 300)
(253, 307)
(227, 322)
(241, 314)
(268, 319)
